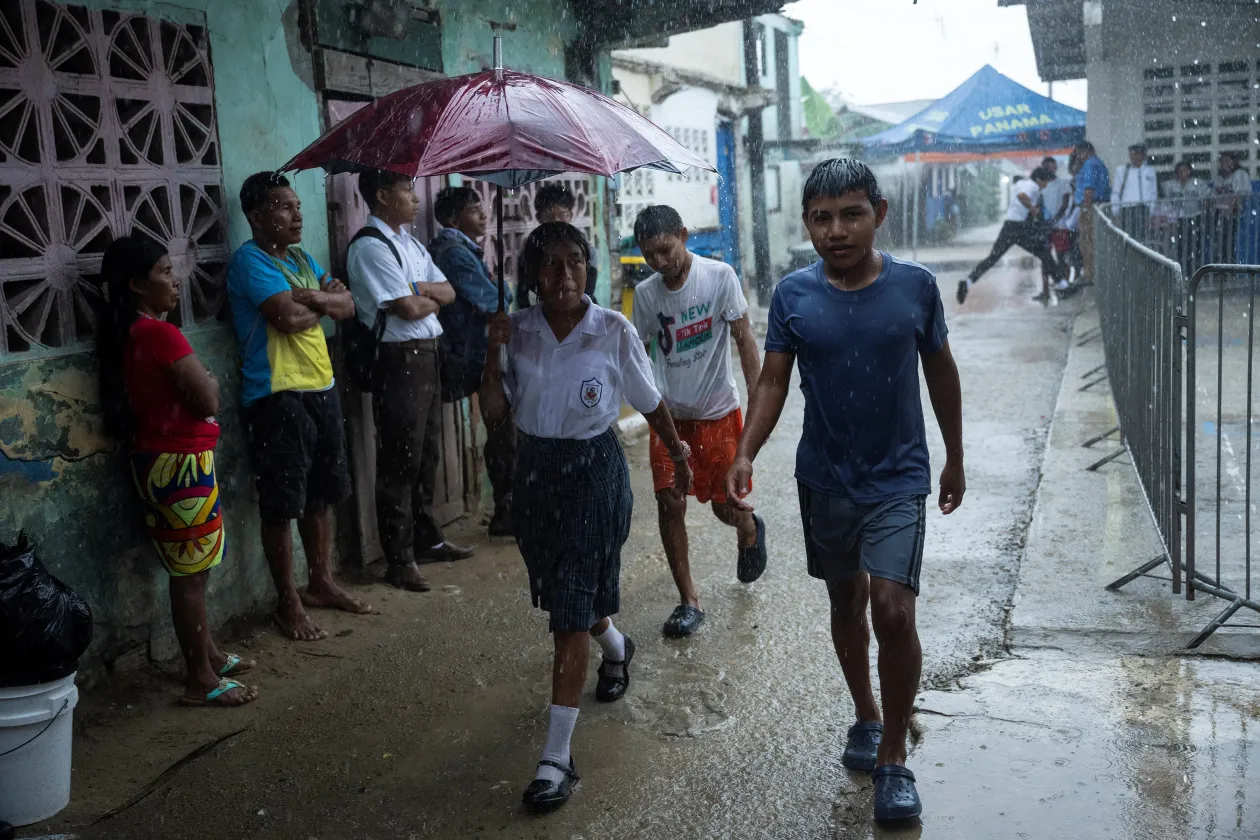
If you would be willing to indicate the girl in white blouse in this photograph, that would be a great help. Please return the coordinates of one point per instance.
(570, 364)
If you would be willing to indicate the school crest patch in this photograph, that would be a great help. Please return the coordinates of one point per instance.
(592, 391)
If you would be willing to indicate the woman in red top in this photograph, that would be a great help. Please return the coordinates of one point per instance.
(158, 395)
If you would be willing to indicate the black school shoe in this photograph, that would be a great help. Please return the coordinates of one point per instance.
(542, 795)
(752, 561)
(611, 689)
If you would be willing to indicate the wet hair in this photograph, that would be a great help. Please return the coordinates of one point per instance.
(451, 201)
(833, 178)
(1187, 164)
(254, 190)
(657, 220)
(1048, 160)
(127, 258)
(1086, 147)
(553, 195)
(377, 179)
(537, 243)
(1040, 174)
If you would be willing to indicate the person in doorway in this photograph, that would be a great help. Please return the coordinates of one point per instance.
(458, 253)
(1092, 184)
(569, 366)
(860, 322)
(690, 309)
(1022, 227)
(159, 398)
(278, 294)
(1181, 216)
(392, 276)
(553, 202)
(1232, 188)
(1137, 189)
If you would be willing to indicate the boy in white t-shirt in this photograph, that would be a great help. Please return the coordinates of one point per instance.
(690, 309)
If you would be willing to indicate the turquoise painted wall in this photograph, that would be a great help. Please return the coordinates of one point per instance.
(61, 478)
(543, 27)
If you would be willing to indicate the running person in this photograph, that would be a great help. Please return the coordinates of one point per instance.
(691, 308)
(569, 364)
(859, 321)
(1023, 228)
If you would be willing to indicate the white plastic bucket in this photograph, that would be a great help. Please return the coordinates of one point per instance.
(35, 734)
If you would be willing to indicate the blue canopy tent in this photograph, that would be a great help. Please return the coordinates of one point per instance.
(986, 113)
(989, 114)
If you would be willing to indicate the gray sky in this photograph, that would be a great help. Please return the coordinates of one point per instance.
(893, 50)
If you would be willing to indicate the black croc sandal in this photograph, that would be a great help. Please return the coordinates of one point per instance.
(683, 621)
(896, 797)
(542, 795)
(752, 561)
(611, 689)
(862, 746)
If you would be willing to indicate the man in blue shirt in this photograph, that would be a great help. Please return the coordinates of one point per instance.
(1093, 185)
(859, 322)
(457, 253)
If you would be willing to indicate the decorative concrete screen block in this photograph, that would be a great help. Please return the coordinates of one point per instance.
(107, 127)
(519, 221)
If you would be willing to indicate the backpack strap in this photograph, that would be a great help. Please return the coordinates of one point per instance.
(373, 232)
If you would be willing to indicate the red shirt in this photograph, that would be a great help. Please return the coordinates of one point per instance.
(163, 421)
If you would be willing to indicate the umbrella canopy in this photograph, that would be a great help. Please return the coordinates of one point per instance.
(500, 126)
(987, 113)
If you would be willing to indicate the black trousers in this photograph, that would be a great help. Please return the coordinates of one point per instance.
(1027, 235)
(500, 454)
(407, 409)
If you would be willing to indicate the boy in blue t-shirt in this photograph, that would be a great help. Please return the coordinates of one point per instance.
(859, 321)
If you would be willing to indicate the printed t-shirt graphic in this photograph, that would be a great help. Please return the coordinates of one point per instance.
(691, 331)
(274, 361)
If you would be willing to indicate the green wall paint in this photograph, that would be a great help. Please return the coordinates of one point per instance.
(543, 28)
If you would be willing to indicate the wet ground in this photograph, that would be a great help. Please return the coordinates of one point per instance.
(1038, 718)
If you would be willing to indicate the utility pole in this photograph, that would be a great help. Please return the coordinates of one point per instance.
(756, 141)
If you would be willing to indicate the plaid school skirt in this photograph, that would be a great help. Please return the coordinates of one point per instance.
(181, 508)
(571, 506)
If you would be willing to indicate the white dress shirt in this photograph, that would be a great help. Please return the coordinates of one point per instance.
(376, 279)
(1134, 184)
(574, 389)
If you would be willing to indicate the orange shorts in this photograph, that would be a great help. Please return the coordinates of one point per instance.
(713, 444)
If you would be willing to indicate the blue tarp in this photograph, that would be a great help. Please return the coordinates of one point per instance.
(986, 113)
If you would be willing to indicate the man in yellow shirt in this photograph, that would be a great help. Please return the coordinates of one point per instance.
(278, 294)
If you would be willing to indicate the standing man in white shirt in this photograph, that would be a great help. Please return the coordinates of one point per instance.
(691, 308)
(392, 276)
(1023, 228)
(1136, 191)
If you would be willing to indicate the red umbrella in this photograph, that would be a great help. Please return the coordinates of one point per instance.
(499, 126)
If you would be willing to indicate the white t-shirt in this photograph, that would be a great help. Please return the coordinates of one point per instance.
(1133, 184)
(573, 389)
(1016, 211)
(691, 328)
(1052, 198)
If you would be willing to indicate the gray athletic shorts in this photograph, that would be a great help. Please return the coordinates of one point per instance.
(884, 539)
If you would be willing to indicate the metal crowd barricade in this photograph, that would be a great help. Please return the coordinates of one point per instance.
(1220, 362)
(1141, 295)
(1197, 230)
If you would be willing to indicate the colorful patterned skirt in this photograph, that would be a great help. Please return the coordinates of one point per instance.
(181, 508)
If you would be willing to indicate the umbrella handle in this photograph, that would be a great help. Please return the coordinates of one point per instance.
(499, 247)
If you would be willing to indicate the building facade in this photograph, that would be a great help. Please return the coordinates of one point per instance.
(146, 115)
(1181, 77)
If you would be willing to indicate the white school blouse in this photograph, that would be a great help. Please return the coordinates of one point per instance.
(574, 388)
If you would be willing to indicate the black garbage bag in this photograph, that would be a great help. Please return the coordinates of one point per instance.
(44, 625)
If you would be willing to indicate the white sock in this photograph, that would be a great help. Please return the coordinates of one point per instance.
(613, 644)
(439, 545)
(970, 282)
(559, 732)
